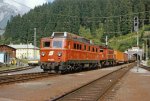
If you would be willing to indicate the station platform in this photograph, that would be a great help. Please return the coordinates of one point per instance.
(134, 86)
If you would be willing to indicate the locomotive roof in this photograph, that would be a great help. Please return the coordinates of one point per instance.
(73, 37)
(70, 36)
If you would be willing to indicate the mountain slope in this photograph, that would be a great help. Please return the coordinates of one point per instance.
(113, 17)
(7, 11)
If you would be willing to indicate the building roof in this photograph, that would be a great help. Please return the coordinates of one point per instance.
(8, 46)
(23, 46)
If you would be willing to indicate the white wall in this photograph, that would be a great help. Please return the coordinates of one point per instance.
(2, 57)
(26, 53)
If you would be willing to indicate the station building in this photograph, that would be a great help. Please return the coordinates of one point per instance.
(26, 51)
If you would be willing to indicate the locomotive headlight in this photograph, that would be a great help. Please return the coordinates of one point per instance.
(43, 53)
(59, 54)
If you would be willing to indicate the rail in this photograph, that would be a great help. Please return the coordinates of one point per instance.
(145, 67)
(94, 90)
(16, 69)
(7, 79)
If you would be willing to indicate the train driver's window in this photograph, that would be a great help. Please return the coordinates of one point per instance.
(46, 44)
(57, 44)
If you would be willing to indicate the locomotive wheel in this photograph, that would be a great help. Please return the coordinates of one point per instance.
(99, 66)
(45, 70)
(61, 72)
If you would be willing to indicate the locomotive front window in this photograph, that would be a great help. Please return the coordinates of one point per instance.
(57, 44)
(46, 44)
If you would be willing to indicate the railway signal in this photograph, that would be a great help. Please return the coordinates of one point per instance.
(136, 24)
(136, 28)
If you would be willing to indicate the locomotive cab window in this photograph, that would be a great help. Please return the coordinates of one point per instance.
(46, 44)
(57, 44)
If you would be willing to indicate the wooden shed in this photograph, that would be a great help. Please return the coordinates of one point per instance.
(8, 50)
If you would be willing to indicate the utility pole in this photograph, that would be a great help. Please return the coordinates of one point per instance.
(136, 28)
(27, 44)
(146, 51)
(34, 43)
(146, 48)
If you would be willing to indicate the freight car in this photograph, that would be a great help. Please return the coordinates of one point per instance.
(120, 57)
(66, 52)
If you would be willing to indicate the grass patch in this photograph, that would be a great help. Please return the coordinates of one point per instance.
(8, 67)
(148, 63)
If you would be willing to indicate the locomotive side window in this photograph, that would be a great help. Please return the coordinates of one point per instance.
(57, 44)
(96, 49)
(69, 45)
(75, 46)
(80, 47)
(46, 44)
(93, 49)
(89, 48)
(84, 47)
(101, 50)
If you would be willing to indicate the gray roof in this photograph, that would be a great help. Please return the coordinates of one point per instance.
(22, 46)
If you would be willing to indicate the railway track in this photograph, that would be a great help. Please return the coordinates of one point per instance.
(94, 90)
(146, 67)
(17, 69)
(7, 79)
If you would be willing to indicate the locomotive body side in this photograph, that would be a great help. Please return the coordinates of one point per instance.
(107, 58)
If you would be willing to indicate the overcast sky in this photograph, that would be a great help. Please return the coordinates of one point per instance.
(28, 3)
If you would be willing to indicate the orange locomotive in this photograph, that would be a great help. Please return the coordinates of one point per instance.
(66, 52)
